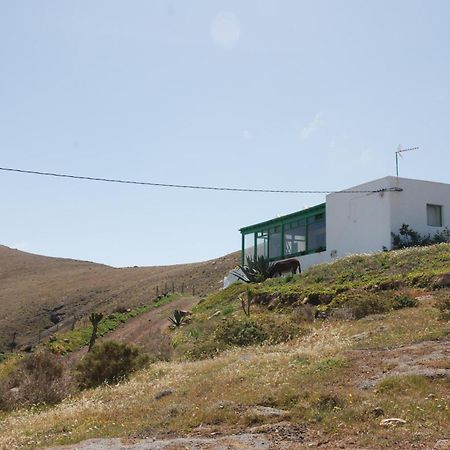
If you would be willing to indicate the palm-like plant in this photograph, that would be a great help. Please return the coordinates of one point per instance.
(95, 319)
(177, 319)
(255, 271)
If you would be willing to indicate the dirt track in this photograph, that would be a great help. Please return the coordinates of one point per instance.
(155, 321)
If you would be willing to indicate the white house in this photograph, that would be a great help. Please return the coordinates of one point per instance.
(359, 219)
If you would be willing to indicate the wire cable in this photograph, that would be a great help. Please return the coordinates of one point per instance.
(187, 186)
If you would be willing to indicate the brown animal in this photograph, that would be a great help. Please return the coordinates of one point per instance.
(284, 266)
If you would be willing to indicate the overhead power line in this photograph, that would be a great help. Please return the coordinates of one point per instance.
(187, 186)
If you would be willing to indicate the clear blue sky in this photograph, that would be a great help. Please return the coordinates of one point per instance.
(264, 94)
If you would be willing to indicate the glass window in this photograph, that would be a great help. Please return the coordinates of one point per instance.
(249, 246)
(262, 241)
(275, 242)
(316, 232)
(295, 237)
(434, 215)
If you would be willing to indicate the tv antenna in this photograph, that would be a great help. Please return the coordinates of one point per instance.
(399, 152)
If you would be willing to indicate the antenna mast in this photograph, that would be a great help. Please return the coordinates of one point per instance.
(399, 153)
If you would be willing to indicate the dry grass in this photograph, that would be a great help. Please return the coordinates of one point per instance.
(311, 377)
(32, 285)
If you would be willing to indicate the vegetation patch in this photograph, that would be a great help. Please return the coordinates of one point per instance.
(69, 341)
(39, 378)
(109, 362)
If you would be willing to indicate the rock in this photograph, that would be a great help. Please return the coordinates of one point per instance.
(366, 385)
(442, 444)
(378, 411)
(27, 348)
(442, 281)
(267, 411)
(392, 421)
(361, 336)
(66, 340)
(214, 315)
(164, 393)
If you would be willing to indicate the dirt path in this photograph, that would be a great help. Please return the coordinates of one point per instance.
(429, 358)
(279, 436)
(136, 330)
(146, 330)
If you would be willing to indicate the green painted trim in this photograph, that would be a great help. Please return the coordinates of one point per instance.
(281, 222)
(318, 209)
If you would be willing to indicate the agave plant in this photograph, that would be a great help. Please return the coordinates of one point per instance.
(255, 271)
(178, 318)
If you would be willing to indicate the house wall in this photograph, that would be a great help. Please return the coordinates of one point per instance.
(359, 222)
(312, 259)
(362, 223)
(410, 205)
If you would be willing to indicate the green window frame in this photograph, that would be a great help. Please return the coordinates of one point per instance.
(309, 217)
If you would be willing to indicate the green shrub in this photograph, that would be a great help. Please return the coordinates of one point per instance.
(361, 303)
(239, 332)
(443, 304)
(404, 301)
(407, 237)
(279, 328)
(39, 378)
(109, 362)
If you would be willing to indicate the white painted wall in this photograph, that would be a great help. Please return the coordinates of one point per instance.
(358, 222)
(362, 223)
(410, 205)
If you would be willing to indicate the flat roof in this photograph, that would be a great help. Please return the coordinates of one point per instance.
(298, 214)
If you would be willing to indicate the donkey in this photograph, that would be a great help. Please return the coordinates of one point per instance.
(284, 266)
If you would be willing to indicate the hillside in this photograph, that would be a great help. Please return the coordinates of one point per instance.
(37, 291)
(353, 354)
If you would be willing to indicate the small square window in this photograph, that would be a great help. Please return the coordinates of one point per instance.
(434, 215)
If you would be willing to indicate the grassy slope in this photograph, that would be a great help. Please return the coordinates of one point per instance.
(413, 267)
(32, 285)
(316, 377)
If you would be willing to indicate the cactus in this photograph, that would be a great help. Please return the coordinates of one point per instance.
(95, 319)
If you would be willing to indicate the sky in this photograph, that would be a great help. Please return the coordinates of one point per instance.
(290, 94)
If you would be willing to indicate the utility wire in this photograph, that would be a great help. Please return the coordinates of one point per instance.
(186, 186)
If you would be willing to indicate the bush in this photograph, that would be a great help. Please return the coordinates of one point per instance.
(407, 237)
(404, 301)
(109, 362)
(359, 304)
(279, 328)
(237, 332)
(39, 378)
(443, 304)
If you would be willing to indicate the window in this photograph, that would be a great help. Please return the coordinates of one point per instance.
(434, 215)
(262, 240)
(275, 242)
(316, 232)
(295, 237)
(249, 247)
